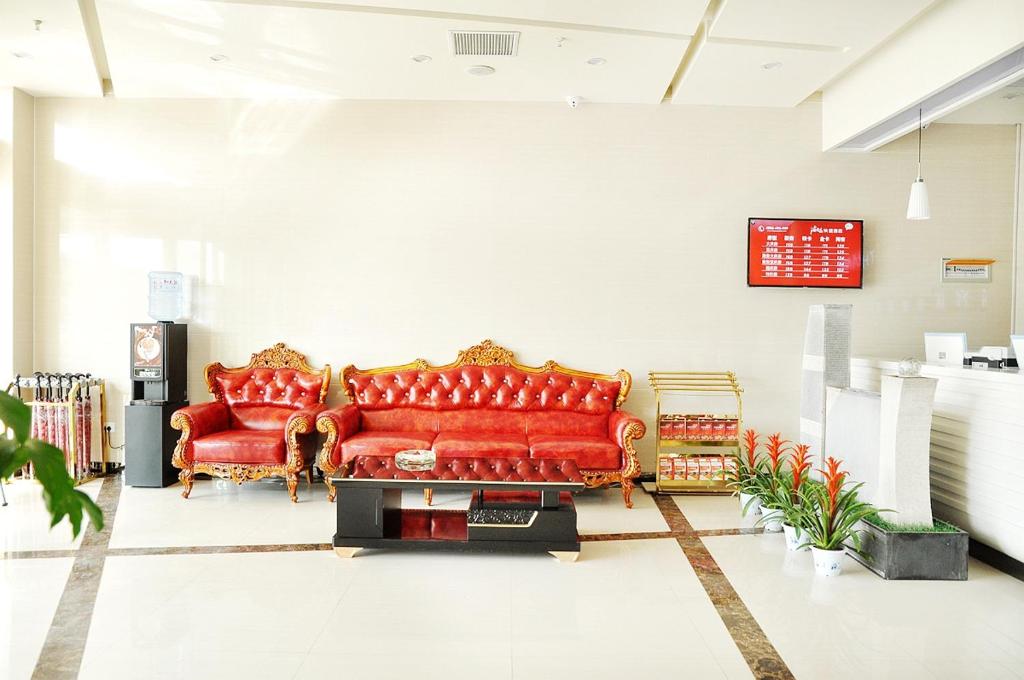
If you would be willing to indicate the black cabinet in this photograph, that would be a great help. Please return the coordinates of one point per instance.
(149, 443)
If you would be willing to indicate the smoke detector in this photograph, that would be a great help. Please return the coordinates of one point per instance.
(484, 43)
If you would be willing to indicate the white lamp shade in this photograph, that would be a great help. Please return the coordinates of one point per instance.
(917, 207)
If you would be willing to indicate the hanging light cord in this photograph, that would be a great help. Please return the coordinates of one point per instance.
(920, 131)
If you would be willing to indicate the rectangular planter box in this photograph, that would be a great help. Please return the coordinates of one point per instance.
(914, 555)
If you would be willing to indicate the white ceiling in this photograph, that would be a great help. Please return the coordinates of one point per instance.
(362, 49)
(162, 49)
(55, 61)
(812, 41)
(1003, 107)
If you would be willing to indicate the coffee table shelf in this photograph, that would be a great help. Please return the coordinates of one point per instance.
(503, 516)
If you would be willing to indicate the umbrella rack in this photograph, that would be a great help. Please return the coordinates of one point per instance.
(68, 411)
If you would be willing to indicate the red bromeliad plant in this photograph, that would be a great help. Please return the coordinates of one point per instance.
(751, 440)
(799, 467)
(829, 512)
(748, 465)
(769, 478)
(787, 497)
(776, 449)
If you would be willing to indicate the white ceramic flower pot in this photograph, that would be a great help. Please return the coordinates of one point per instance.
(792, 540)
(771, 520)
(828, 562)
(755, 507)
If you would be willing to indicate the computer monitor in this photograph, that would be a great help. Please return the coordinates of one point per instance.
(945, 349)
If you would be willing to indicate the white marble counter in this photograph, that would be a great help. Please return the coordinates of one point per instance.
(977, 448)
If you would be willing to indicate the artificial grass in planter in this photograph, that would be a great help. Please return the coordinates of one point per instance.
(921, 552)
(939, 527)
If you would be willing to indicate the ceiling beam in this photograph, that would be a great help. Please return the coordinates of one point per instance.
(693, 50)
(455, 16)
(91, 24)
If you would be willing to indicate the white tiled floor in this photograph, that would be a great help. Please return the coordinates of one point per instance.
(860, 626)
(601, 511)
(713, 512)
(627, 608)
(220, 512)
(390, 614)
(29, 593)
(24, 524)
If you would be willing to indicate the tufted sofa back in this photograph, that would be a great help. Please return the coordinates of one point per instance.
(491, 421)
(503, 388)
(285, 387)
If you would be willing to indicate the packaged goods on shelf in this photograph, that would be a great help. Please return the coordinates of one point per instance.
(696, 451)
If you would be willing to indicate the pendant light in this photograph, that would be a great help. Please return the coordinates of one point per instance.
(917, 207)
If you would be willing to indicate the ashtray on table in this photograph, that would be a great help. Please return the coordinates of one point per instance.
(415, 460)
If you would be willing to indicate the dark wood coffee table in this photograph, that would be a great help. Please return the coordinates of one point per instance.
(518, 505)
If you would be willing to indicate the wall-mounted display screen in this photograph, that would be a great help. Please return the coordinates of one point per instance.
(792, 253)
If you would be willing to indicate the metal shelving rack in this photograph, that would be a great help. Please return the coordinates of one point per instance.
(694, 451)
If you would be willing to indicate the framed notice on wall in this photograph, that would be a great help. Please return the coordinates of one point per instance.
(966, 270)
(797, 253)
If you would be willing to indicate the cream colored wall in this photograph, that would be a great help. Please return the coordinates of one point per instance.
(23, 220)
(607, 237)
(6, 233)
(16, 231)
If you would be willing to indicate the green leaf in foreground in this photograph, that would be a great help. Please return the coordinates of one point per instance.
(59, 493)
(16, 415)
(12, 456)
(61, 497)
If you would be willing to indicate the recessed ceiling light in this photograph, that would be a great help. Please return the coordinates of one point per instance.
(20, 55)
(771, 65)
(420, 58)
(218, 57)
(597, 61)
(480, 70)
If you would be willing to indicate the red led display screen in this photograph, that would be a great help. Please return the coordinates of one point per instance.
(805, 253)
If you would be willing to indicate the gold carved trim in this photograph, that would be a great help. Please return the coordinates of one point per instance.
(241, 472)
(327, 426)
(601, 478)
(630, 466)
(296, 426)
(487, 353)
(179, 421)
(278, 356)
(630, 461)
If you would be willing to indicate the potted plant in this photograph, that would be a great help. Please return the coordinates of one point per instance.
(744, 478)
(788, 497)
(769, 481)
(830, 513)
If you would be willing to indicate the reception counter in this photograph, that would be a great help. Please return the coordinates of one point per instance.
(977, 449)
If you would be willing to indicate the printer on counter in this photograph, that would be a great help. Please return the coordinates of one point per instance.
(989, 357)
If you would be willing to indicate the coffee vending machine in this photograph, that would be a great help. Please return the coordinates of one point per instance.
(159, 365)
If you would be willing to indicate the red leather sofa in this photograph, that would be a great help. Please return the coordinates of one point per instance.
(484, 404)
(260, 423)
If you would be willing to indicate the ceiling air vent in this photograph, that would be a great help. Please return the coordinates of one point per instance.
(484, 43)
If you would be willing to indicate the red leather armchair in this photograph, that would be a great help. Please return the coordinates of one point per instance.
(486, 405)
(260, 423)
